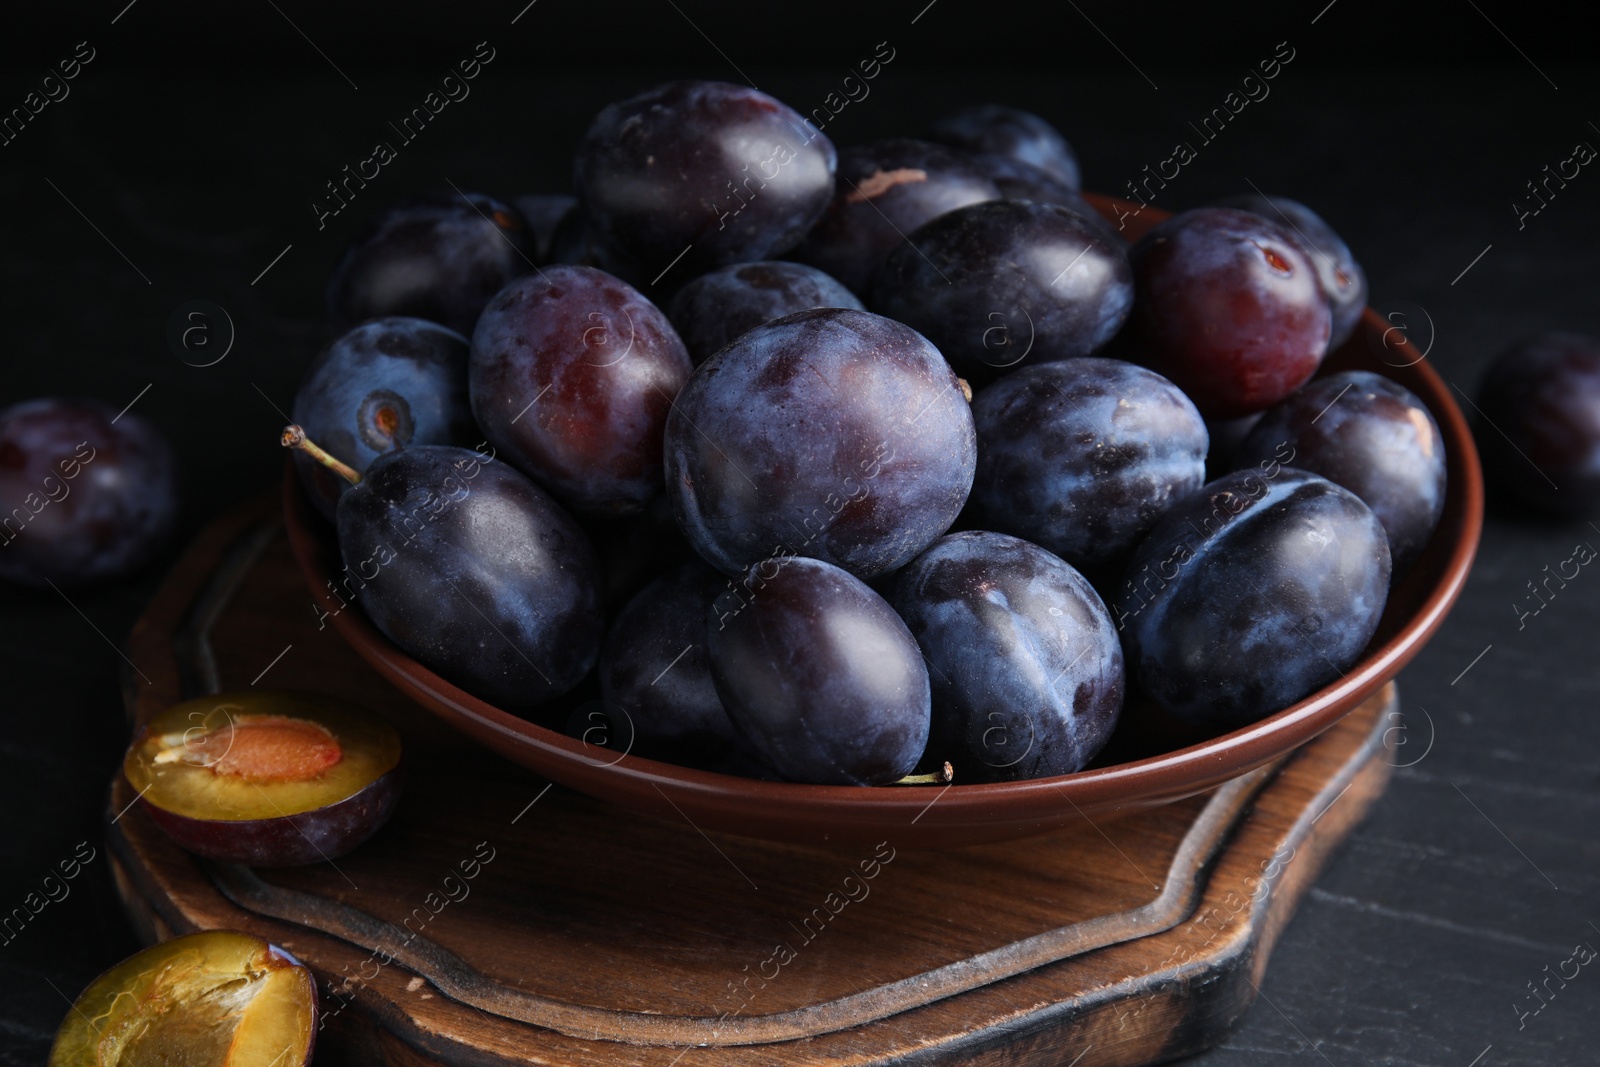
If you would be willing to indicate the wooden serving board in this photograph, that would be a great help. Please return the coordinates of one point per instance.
(500, 920)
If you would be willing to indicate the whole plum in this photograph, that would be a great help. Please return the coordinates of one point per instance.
(1372, 436)
(1084, 455)
(1254, 593)
(712, 172)
(1024, 660)
(89, 494)
(384, 385)
(474, 570)
(439, 257)
(717, 307)
(819, 674)
(572, 374)
(830, 433)
(885, 190)
(655, 667)
(996, 283)
(1541, 403)
(1343, 281)
(1229, 308)
(1011, 133)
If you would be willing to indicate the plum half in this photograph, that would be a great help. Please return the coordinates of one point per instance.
(266, 778)
(217, 997)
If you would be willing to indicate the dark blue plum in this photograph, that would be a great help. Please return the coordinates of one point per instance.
(1085, 455)
(1023, 181)
(655, 668)
(1343, 281)
(1372, 436)
(1011, 133)
(831, 433)
(438, 257)
(1254, 593)
(1022, 655)
(544, 214)
(384, 385)
(713, 172)
(819, 674)
(717, 307)
(885, 190)
(474, 570)
(1229, 308)
(1540, 423)
(572, 373)
(88, 494)
(997, 283)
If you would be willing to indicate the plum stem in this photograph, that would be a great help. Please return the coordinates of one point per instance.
(966, 389)
(295, 437)
(942, 776)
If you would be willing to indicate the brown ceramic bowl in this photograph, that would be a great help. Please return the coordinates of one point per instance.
(948, 816)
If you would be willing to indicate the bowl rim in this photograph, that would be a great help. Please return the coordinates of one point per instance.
(1160, 778)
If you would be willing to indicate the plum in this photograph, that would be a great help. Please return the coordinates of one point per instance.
(571, 375)
(819, 674)
(217, 997)
(93, 495)
(1084, 455)
(707, 171)
(266, 778)
(885, 190)
(655, 668)
(1252, 594)
(1229, 308)
(998, 283)
(1013, 134)
(831, 433)
(468, 566)
(439, 256)
(716, 308)
(1024, 660)
(1372, 436)
(1540, 408)
(386, 384)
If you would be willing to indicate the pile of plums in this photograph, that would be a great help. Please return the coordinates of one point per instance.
(857, 488)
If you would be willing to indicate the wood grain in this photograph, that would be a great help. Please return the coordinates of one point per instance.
(499, 920)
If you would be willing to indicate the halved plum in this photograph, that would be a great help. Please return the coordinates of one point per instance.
(266, 778)
(217, 997)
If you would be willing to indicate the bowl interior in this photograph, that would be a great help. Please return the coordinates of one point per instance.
(1150, 762)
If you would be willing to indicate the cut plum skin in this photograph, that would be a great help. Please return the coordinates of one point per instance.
(214, 997)
(266, 778)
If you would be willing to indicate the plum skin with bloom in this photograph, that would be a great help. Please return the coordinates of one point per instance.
(820, 675)
(467, 565)
(1370, 435)
(1543, 395)
(830, 433)
(715, 172)
(719, 307)
(386, 384)
(1083, 456)
(1024, 660)
(438, 256)
(91, 495)
(1003, 282)
(1252, 594)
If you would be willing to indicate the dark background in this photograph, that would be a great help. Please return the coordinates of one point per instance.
(198, 136)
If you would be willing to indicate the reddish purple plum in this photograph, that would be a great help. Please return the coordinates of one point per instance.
(572, 374)
(1229, 308)
(1540, 423)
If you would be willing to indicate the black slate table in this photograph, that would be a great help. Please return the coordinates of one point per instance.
(168, 175)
